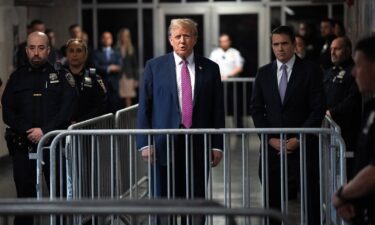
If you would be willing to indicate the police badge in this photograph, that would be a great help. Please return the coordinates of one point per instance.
(53, 78)
(87, 82)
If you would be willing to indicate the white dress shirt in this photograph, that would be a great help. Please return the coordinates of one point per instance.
(289, 69)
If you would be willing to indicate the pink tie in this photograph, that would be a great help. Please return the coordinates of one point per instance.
(187, 97)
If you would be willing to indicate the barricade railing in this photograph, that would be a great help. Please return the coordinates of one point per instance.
(237, 96)
(126, 119)
(334, 167)
(222, 175)
(132, 208)
(78, 159)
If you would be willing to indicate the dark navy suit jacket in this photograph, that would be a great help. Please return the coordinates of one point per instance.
(304, 101)
(159, 105)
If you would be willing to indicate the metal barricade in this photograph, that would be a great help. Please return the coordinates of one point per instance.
(223, 176)
(334, 175)
(131, 171)
(237, 96)
(133, 208)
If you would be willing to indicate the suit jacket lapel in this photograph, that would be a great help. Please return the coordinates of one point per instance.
(274, 84)
(171, 76)
(198, 77)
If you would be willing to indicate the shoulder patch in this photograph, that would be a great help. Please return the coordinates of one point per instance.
(70, 79)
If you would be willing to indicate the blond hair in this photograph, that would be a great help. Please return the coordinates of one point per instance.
(183, 23)
(128, 44)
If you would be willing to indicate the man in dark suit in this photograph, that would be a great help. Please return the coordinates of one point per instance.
(108, 63)
(289, 93)
(344, 100)
(181, 90)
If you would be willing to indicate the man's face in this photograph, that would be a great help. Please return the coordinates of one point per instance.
(338, 51)
(224, 42)
(283, 47)
(76, 32)
(183, 41)
(107, 39)
(300, 47)
(37, 49)
(364, 73)
(325, 29)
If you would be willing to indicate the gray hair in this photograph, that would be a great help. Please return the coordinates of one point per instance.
(183, 23)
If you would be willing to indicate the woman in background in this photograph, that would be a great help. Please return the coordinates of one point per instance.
(92, 100)
(129, 78)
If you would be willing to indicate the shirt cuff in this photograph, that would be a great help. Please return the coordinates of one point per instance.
(145, 147)
(217, 149)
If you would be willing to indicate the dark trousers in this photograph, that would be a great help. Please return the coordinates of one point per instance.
(111, 82)
(182, 189)
(274, 181)
(24, 175)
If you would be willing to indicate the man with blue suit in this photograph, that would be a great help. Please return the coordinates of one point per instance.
(181, 90)
(289, 93)
(108, 63)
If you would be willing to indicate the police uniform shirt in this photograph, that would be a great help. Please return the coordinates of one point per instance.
(38, 97)
(344, 101)
(92, 100)
(227, 60)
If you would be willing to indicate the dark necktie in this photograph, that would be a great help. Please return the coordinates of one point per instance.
(283, 82)
(187, 99)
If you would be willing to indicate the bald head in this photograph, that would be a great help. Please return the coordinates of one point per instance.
(37, 48)
(341, 50)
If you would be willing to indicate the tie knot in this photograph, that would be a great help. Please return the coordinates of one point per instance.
(284, 67)
(184, 62)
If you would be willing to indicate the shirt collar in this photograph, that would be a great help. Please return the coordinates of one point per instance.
(178, 59)
(289, 64)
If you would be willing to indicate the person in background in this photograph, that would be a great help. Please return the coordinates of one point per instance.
(92, 97)
(344, 101)
(327, 36)
(129, 73)
(231, 64)
(55, 55)
(229, 59)
(108, 63)
(21, 56)
(312, 50)
(355, 201)
(339, 29)
(300, 47)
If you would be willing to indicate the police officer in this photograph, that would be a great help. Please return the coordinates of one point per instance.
(355, 201)
(343, 98)
(37, 99)
(92, 100)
